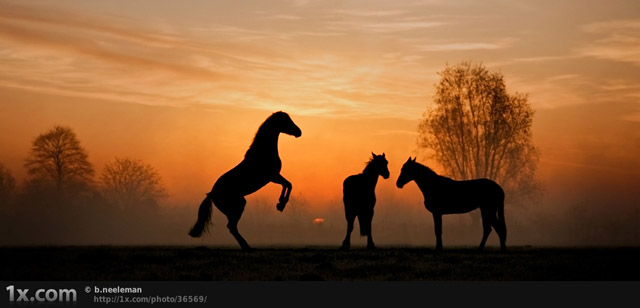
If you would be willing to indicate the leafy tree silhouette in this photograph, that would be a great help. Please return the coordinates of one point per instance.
(476, 129)
(129, 182)
(57, 157)
(7, 185)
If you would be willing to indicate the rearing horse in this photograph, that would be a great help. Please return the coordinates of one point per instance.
(260, 166)
(443, 195)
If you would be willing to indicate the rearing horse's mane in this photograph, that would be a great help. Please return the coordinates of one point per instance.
(268, 122)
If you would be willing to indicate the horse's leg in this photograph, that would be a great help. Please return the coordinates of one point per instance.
(368, 219)
(437, 225)
(286, 191)
(488, 219)
(370, 244)
(350, 215)
(234, 212)
(501, 227)
(501, 230)
(347, 239)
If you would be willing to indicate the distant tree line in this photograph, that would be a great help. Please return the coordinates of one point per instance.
(62, 198)
(57, 164)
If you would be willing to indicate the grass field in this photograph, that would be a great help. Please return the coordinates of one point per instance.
(104, 263)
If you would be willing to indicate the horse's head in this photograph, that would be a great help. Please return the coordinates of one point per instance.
(283, 123)
(379, 164)
(407, 173)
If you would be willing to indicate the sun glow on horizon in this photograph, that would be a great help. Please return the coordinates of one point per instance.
(185, 87)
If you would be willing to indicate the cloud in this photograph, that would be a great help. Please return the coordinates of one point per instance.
(609, 26)
(376, 13)
(285, 17)
(401, 26)
(58, 18)
(79, 46)
(465, 46)
(619, 40)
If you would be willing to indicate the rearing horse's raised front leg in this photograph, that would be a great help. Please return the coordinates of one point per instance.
(286, 191)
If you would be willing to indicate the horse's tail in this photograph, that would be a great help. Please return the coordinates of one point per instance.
(204, 217)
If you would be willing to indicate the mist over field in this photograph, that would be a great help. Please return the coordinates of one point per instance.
(394, 224)
(183, 89)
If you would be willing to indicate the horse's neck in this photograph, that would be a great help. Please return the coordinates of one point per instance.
(426, 182)
(370, 176)
(265, 143)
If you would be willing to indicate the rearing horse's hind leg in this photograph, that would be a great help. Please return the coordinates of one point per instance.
(233, 210)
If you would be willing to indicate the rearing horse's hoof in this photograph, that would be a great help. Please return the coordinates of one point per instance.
(280, 206)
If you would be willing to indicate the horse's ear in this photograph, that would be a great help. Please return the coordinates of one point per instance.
(383, 154)
(374, 155)
(408, 160)
(414, 159)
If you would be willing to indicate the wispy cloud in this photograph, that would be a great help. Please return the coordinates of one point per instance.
(48, 18)
(619, 41)
(464, 46)
(371, 13)
(385, 27)
(79, 46)
(285, 17)
(440, 45)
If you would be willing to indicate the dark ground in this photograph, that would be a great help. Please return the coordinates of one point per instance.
(104, 263)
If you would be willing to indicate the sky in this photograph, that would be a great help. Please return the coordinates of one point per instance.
(184, 85)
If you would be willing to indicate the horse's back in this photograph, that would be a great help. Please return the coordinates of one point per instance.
(481, 190)
(240, 181)
(455, 197)
(489, 188)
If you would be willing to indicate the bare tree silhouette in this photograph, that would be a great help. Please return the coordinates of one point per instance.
(128, 182)
(57, 157)
(478, 130)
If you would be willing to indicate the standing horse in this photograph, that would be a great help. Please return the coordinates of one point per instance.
(443, 195)
(359, 197)
(260, 166)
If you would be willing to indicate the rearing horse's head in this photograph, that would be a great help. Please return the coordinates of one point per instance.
(407, 173)
(379, 164)
(283, 123)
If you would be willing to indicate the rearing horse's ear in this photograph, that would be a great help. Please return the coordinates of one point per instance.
(383, 154)
(408, 160)
(374, 155)
(414, 159)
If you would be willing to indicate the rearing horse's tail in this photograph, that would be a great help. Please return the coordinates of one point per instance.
(204, 217)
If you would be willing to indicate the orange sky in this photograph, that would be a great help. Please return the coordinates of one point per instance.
(184, 85)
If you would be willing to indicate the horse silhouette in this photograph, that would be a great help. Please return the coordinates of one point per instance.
(260, 166)
(443, 195)
(359, 197)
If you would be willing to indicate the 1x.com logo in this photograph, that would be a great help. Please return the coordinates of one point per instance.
(42, 295)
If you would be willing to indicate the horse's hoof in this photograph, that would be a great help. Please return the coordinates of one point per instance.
(280, 206)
